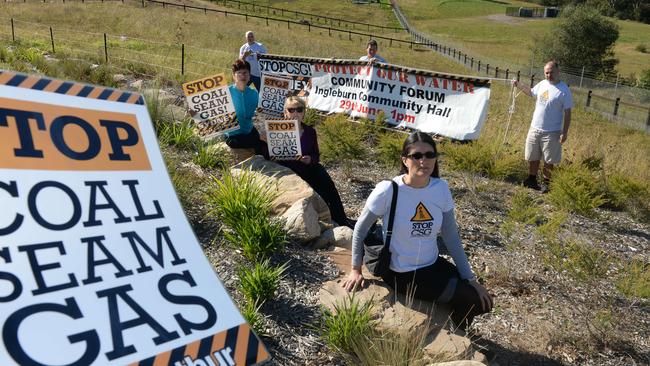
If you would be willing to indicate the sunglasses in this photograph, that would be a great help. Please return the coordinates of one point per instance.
(419, 155)
(297, 109)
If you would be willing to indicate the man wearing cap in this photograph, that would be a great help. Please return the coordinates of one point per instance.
(248, 52)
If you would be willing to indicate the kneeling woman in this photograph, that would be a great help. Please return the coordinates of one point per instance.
(308, 166)
(424, 209)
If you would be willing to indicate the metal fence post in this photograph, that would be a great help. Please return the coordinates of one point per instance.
(496, 72)
(588, 103)
(52, 39)
(487, 68)
(13, 34)
(471, 64)
(507, 73)
(479, 65)
(518, 75)
(182, 58)
(105, 48)
(647, 123)
(532, 80)
(616, 105)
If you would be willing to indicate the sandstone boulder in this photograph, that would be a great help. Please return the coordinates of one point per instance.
(301, 221)
(325, 240)
(343, 237)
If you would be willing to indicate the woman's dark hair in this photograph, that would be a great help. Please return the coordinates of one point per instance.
(240, 64)
(414, 137)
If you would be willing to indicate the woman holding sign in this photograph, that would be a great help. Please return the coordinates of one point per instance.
(245, 101)
(424, 209)
(308, 166)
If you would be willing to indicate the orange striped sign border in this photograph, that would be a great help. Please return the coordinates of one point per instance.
(38, 82)
(236, 346)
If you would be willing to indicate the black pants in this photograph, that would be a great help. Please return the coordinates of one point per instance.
(431, 282)
(318, 178)
(250, 140)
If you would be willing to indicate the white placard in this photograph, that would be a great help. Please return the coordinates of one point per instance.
(283, 139)
(211, 106)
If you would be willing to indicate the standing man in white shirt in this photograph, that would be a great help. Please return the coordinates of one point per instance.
(248, 52)
(549, 128)
(371, 53)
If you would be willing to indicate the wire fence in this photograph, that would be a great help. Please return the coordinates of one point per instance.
(619, 103)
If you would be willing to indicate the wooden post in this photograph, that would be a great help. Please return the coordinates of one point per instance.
(616, 105)
(13, 33)
(588, 103)
(647, 123)
(496, 72)
(487, 68)
(532, 80)
(105, 48)
(518, 75)
(182, 58)
(471, 64)
(479, 65)
(507, 73)
(52, 39)
(465, 61)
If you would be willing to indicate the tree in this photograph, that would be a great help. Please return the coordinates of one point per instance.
(581, 37)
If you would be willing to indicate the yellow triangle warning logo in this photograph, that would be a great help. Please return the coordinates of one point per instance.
(545, 95)
(421, 213)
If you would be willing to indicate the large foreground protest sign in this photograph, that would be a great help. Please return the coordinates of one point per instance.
(98, 264)
(449, 105)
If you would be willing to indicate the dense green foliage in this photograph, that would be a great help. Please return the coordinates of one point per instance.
(582, 37)
(638, 10)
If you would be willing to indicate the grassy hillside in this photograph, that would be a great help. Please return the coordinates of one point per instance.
(481, 28)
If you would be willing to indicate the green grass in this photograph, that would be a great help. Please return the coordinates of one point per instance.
(209, 156)
(485, 158)
(579, 260)
(472, 26)
(575, 188)
(260, 282)
(349, 321)
(524, 208)
(180, 134)
(634, 280)
(257, 238)
(251, 313)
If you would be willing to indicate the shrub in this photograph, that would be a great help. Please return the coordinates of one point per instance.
(257, 237)
(634, 280)
(629, 194)
(389, 149)
(259, 283)
(641, 48)
(211, 156)
(339, 140)
(489, 160)
(524, 209)
(241, 197)
(350, 321)
(180, 134)
(550, 230)
(576, 189)
(311, 117)
(580, 260)
(251, 312)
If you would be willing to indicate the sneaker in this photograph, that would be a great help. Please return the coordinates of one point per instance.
(531, 182)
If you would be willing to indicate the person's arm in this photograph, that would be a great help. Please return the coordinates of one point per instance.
(310, 152)
(565, 128)
(451, 238)
(523, 87)
(364, 222)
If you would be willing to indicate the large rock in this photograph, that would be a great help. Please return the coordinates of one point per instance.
(333, 294)
(324, 240)
(301, 221)
(343, 237)
(449, 345)
(292, 188)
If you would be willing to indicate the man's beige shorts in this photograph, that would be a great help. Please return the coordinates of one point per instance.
(543, 144)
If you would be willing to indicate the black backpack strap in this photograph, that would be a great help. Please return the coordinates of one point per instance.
(391, 216)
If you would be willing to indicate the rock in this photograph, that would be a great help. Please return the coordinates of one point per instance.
(136, 84)
(177, 113)
(343, 237)
(479, 357)
(324, 240)
(301, 221)
(451, 345)
(292, 188)
(331, 294)
(399, 319)
(342, 258)
(161, 95)
(119, 78)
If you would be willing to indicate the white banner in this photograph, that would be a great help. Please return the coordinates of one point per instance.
(448, 105)
(98, 263)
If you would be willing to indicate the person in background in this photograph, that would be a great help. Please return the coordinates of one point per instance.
(245, 101)
(424, 209)
(248, 52)
(371, 53)
(308, 166)
(549, 128)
